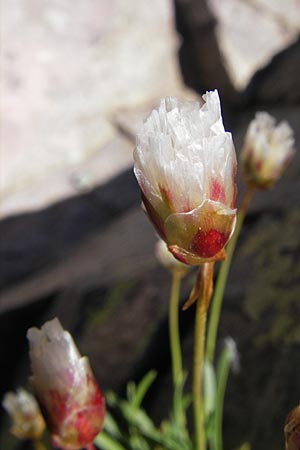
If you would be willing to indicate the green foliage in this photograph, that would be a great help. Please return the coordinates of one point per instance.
(135, 430)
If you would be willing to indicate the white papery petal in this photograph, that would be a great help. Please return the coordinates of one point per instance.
(21, 402)
(181, 148)
(268, 141)
(55, 359)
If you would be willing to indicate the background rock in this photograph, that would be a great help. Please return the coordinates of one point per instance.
(226, 42)
(81, 65)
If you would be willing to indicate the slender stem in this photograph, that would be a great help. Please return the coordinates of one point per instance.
(216, 306)
(222, 376)
(199, 344)
(38, 445)
(174, 329)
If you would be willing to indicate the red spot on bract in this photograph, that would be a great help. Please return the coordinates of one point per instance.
(86, 426)
(88, 421)
(208, 243)
(217, 192)
(97, 398)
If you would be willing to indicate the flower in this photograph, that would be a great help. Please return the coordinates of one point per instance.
(292, 429)
(65, 386)
(185, 165)
(266, 151)
(28, 422)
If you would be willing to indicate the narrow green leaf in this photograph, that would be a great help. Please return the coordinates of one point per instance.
(131, 391)
(105, 442)
(143, 388)
(223, 368)
(111, 426)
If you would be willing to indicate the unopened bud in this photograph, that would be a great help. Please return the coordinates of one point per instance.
(25, 413)
(65, 387)
(266, 151)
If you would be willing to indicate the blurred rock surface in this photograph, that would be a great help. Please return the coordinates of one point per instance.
(66, 70)
(224, 44)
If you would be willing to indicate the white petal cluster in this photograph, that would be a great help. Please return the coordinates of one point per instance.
(55, 360)
(27, 421)
(183, 148)
(21, 403)
(272, 145)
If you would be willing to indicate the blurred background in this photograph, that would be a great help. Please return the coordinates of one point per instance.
(77, 79)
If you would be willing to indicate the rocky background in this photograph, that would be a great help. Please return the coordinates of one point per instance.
(77, 81)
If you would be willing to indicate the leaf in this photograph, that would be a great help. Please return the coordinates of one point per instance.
(105, 442)
(143, 387)
(111, 426)
(137, 442)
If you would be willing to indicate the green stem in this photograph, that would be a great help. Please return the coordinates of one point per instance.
(174, 329)
(216, 305)
(222, 377)
(199, 344)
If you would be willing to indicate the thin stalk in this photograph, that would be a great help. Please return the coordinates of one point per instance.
(216, 305)
(199, 345)
(222, 376)
(174, 329)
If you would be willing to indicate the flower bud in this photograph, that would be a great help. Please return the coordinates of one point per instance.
(185, 165)
(266, 151)
(166, 258)
(292, 430)
(65, 386)
(25, 413)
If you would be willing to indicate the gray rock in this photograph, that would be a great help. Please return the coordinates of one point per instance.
(225, 43)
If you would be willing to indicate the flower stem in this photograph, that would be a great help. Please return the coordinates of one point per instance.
(222, 376)
(174, 329)
(216, 306)
(199, 344)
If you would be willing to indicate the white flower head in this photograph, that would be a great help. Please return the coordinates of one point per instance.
(55, 359)
(267, 150)
(185, 165)
(25, 413)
